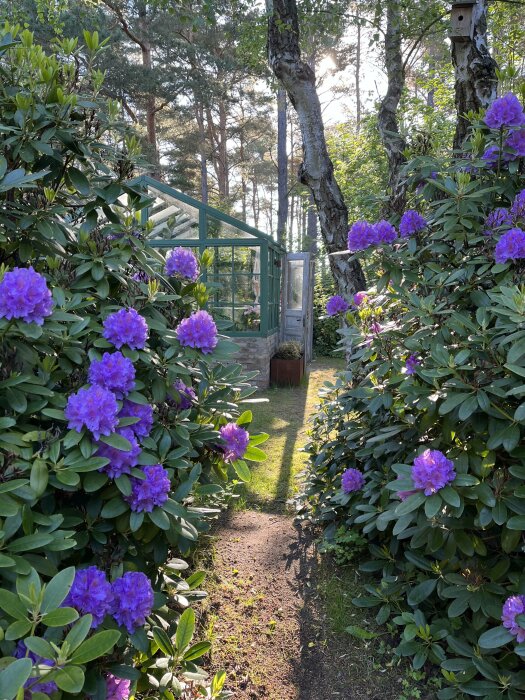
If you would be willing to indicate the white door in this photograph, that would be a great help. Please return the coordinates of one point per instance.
(298, 299)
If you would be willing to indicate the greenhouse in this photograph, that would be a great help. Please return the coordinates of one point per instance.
(249, 272)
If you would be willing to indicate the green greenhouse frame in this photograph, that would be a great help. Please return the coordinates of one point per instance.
(245, 277)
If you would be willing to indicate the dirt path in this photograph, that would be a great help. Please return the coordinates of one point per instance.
(266, 615)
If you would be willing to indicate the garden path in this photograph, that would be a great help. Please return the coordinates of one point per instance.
(267, 613)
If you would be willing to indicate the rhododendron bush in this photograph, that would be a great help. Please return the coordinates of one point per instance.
(419, 445)
(119, 425)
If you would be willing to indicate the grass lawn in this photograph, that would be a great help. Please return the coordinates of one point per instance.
(284, 415)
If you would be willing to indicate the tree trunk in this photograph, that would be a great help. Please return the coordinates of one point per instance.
(358, 79)
(282, 167)
(224, 183)
(199, 115)
(316, 171)
(311, 227)
(391, 139)
(475, 69)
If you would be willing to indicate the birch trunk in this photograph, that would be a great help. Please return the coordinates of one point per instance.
(316, 170)
(475, 71)
(282, 167)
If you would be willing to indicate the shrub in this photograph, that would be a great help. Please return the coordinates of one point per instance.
(289, 350)
(111, 460)
(326, 336)
(437, 361)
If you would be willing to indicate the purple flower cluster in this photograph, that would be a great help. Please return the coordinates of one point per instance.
(432, 471)
(236, 441)
(360, 298)
(132, 600)
(511, 246)
(411, 364)
(411, 223)
(491, 156)
(514, 606)
(129, 599)
(336, 305)
(126, 327)
(114, 372)
(183, 263)
(120, 461)
(24, 295)
(91, 594)
(46, 687)
(352, 480)
(186, 395)
(198, 331)
(144, 412)
(140, 276)
(518, 206)
(497, 218)
(95, 408)
(516, 141)
(507, 111)
(117, 688)
(363, 234)
(151, 491)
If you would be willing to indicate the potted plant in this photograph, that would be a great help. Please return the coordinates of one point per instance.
(287, 365)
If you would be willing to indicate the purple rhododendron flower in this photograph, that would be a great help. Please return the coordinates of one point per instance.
(384, 232)
(24, 295)
(91, 593)
(120, 461)
(186, 395)
(126, 327)
(411, 222)
(46, 687)
(140, 276)
(361, 236)
(411, 364)
(375, 327)
(491, 156)
(498, 217)
(432, 471)
(518, 206)
(352, 480)
(198, 331)
(360, 298)
(511, 246)
(132, 600)
(183, 263)
(236, 441)
(144, 412)
(151, 491)
(514, 606)
(516, 141)
(96, 408)
(114, 372)
(336, 305)
(505, 111)
(117, 688)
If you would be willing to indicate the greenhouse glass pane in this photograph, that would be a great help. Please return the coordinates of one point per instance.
(295, 285)
(247, 318)
(247, 259)
(220, 229)
(172, 218)
(247, 289)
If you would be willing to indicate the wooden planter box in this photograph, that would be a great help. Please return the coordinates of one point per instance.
(286, 372)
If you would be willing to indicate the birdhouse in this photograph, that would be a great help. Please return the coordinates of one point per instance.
(462, 20)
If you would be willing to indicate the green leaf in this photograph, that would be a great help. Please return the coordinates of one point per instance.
(359, 632)
(60, 617)
(410, 504)
(197, 650)
(244, 418)
(11, 604)
(18, 629)
(39, 477)
(98, 645)
(57, 589)
(79, 180)
(185, 629)
(254, 454)
(70, 679)
(29, 542)
(40, 646)
(517, 522)
(421, 592)
(258, 439)
(242, 470)
(79, 632)
(113, 508)
(495, 638)
(163, 641)
(159, 517)
(13, 678)
(117, 441)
